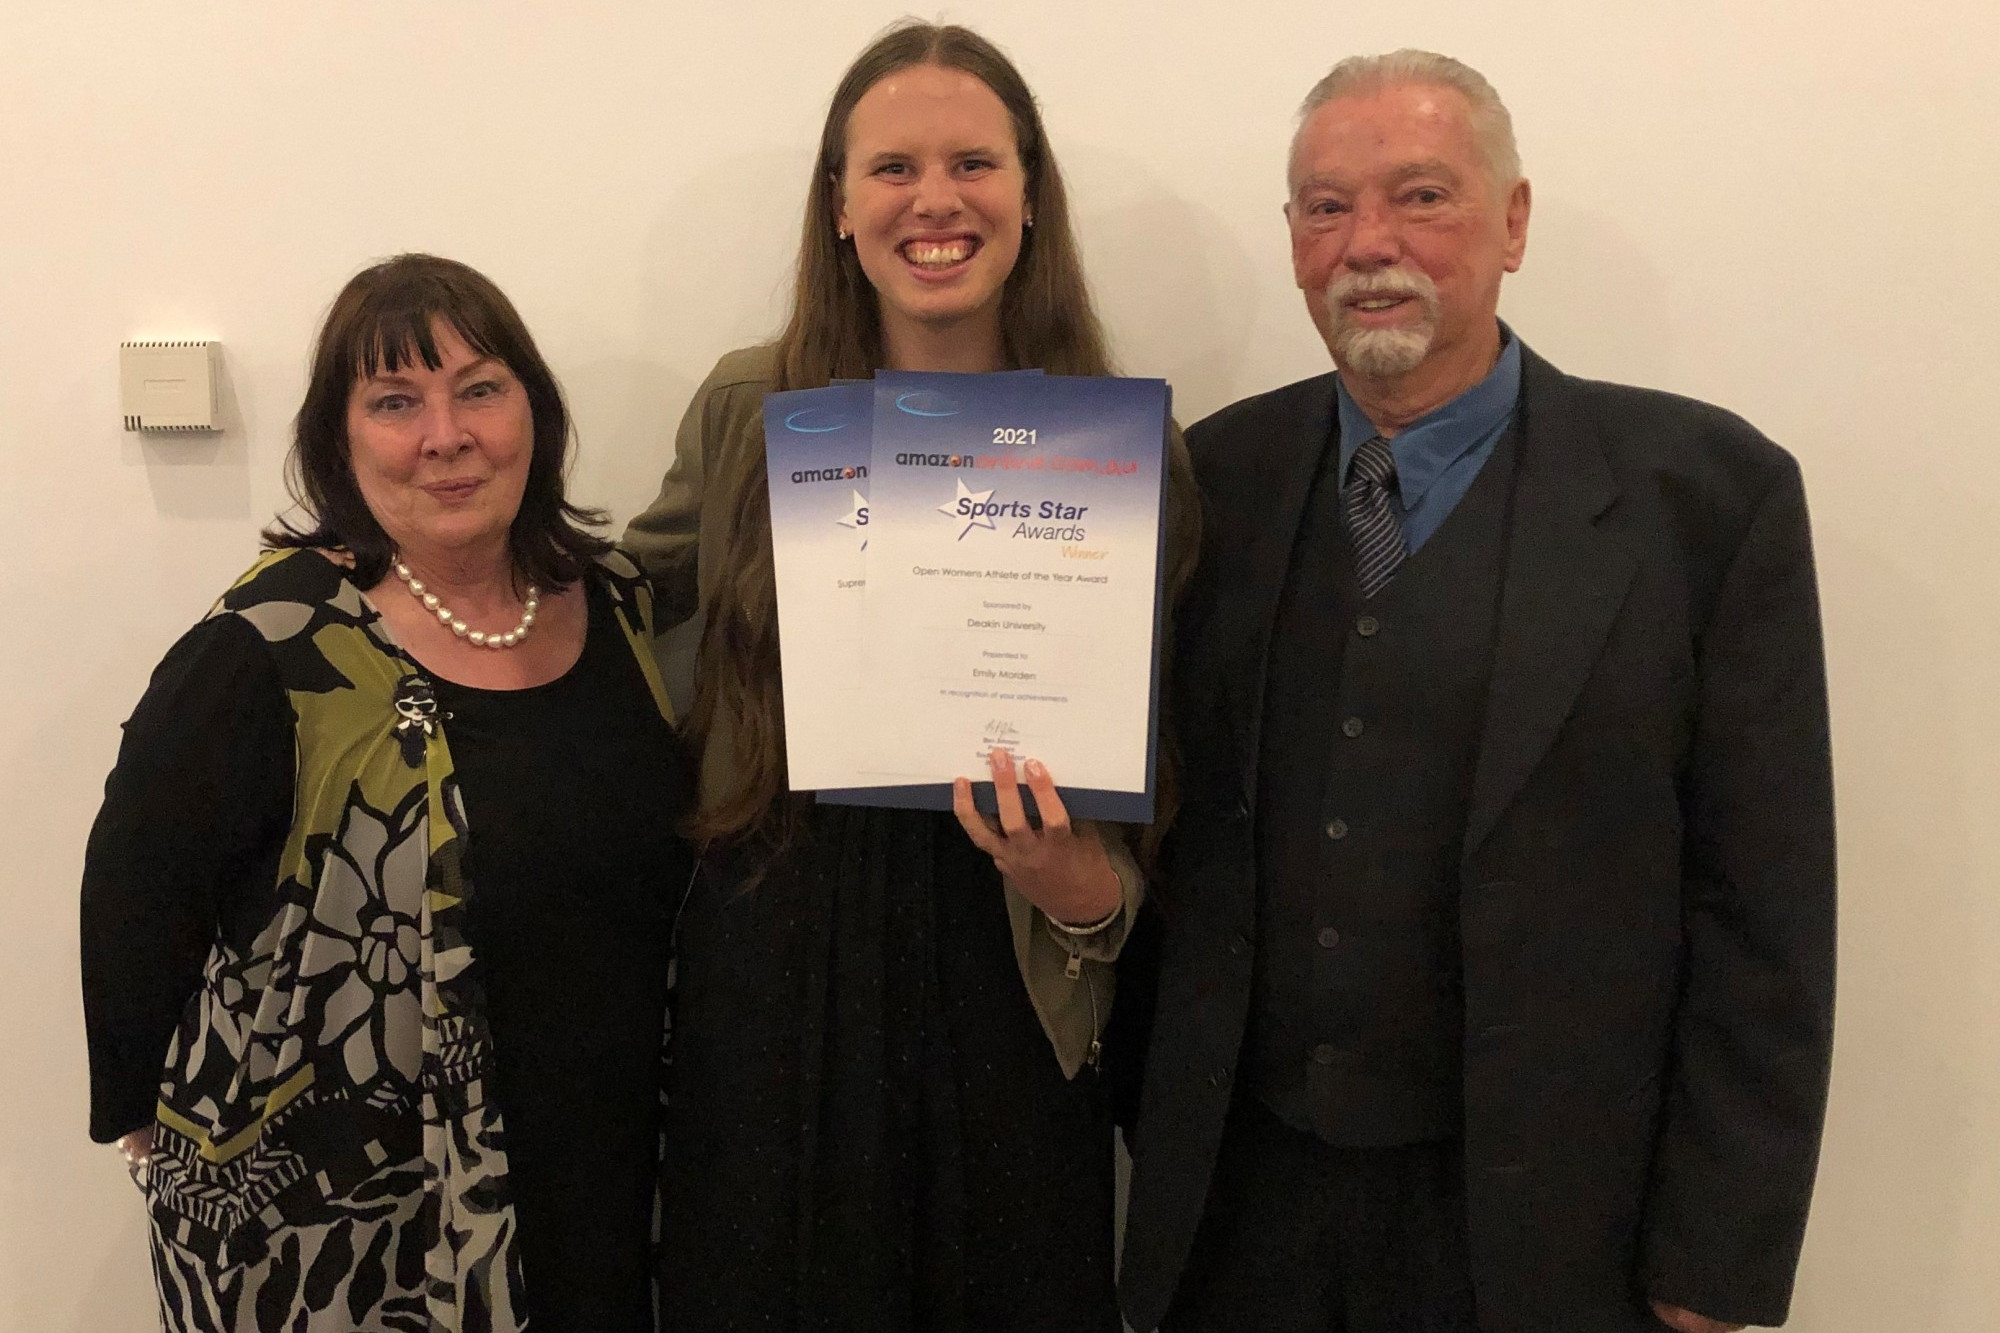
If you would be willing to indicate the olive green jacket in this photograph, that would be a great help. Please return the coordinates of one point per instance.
(679, 540)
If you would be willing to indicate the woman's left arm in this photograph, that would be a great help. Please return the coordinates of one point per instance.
(1072, 979)
(1073, 891)
(194, 815)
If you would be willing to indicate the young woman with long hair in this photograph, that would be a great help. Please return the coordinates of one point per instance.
(884, 1109)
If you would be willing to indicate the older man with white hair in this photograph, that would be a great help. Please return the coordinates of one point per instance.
(1494, 948)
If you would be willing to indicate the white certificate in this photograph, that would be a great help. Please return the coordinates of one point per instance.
(1013, 584)
(816, 444)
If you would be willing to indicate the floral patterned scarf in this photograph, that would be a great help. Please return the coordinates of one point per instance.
(343, 1059)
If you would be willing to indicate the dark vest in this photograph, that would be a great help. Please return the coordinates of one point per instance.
(1372, 715)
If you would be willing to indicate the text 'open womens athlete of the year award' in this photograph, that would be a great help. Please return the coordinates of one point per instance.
(967, 562)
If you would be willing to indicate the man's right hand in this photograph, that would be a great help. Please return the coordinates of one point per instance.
(1687, 1321)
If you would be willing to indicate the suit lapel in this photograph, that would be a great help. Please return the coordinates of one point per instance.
(1267, 564)
(1564, 581)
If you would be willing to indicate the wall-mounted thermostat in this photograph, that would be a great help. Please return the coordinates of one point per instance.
(169, 385)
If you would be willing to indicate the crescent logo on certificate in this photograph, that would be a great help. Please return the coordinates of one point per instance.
(816, 446)
(1013, 601)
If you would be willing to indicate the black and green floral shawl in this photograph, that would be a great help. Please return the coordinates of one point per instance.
(342, 1061)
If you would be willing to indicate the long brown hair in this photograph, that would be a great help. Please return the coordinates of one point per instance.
(835, 332)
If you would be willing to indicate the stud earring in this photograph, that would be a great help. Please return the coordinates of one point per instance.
(840, 233)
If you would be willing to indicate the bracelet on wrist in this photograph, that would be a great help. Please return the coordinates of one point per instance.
(1090, 928)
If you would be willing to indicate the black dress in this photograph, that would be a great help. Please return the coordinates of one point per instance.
(868, 1128)
(571, 789)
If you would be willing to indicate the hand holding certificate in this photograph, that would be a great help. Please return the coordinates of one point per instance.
(1012, 586)
(1061, 869)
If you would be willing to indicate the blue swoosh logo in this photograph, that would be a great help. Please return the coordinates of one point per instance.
(927, 403)
(792, 423)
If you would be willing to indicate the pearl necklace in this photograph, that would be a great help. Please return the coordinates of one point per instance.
(478, 638)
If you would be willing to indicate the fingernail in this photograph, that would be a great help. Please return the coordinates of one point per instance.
(1035, 768)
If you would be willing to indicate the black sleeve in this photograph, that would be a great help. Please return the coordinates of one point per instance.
(1129, 1033)
(1738, 1149)
(194, 820)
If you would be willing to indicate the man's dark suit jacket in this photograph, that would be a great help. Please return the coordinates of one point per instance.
(1647, 884)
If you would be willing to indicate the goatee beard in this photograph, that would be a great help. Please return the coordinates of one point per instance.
(1379, 353)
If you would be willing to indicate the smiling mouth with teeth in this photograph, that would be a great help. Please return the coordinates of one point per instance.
(928, 254)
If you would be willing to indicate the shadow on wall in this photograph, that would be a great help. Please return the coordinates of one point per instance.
(705, 290)
(625, 410)
(1590, 299)
(1904, 1120)
(731, 283)
(198, 476)
(1177, 292)
(118, 1293)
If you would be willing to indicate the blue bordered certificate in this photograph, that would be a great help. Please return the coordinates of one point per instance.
(1013, 585)
(816, 451)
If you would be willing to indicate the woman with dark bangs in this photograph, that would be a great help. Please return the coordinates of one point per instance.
(376, 914)
(885, 1112)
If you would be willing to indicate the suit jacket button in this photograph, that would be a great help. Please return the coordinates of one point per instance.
(1329, 938)
(1367, 627)
(1351, 728)
(1324, 1054)
(1237, 944)
(1336, 829)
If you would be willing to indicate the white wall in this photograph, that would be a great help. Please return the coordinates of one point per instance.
(1789, 208)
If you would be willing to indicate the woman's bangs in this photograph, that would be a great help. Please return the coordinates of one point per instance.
(406, 335)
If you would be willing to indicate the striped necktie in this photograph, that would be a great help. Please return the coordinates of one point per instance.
(1374, 516)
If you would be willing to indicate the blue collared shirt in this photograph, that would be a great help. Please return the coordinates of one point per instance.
(1439, 454)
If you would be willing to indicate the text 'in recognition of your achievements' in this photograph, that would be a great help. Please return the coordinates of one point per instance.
(1004, 536)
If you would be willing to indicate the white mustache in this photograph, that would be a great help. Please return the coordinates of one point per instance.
(1383, 282)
